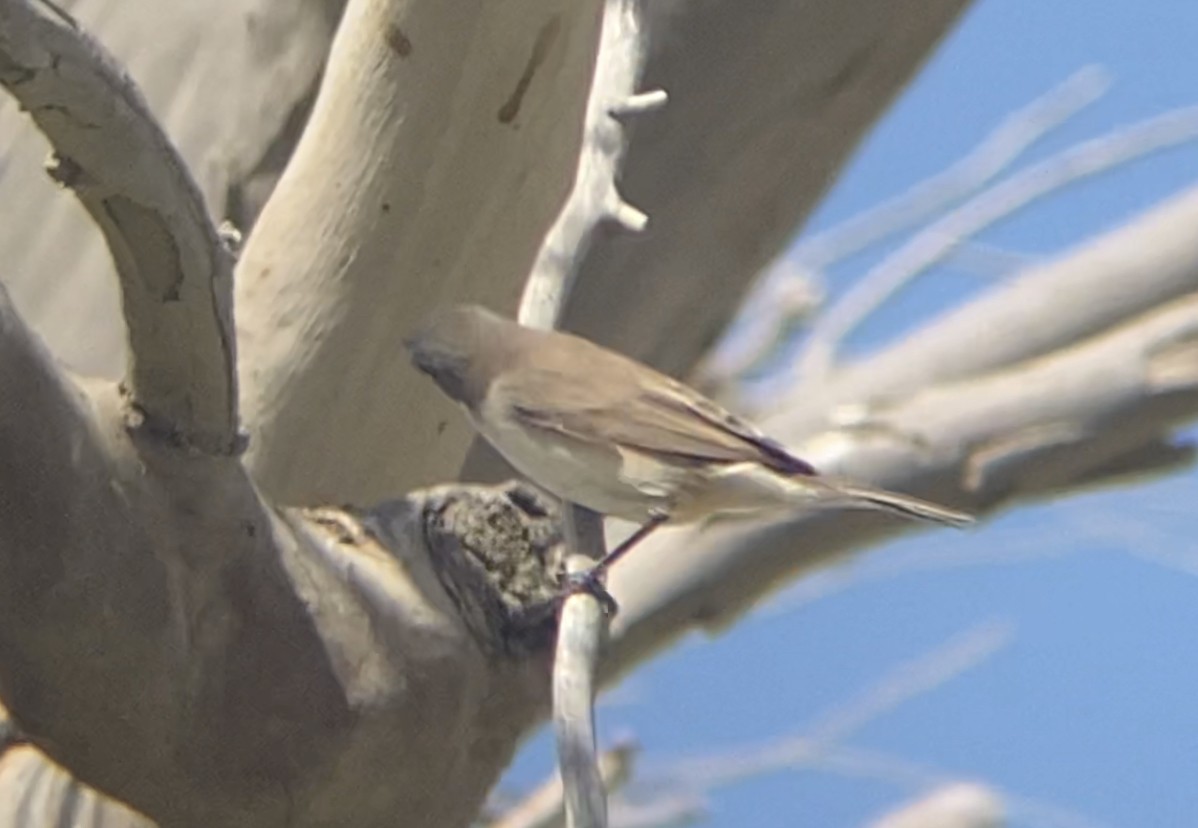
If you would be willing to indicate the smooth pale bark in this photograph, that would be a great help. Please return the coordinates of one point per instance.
(442, 144)
(177, 643)
(231, 81)
(166, 634)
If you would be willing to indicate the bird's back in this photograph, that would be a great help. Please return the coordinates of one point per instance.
(575, 387)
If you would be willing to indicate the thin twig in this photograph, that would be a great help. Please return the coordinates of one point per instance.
(955, 805)
(594, 199)
(1014, 136)
(667, 810)
(545, 807)
(901, 771)
(932, 557)
(938, 240)
(986, 259)
(581, 630)
(786, 300)
(765, 321)
(909, 680)
(582, 627)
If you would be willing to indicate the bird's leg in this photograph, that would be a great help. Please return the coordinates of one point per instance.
(591, 581)
(656, 519)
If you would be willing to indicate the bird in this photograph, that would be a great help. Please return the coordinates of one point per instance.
(601, 430)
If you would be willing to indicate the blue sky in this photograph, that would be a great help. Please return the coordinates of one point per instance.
(1087, 702)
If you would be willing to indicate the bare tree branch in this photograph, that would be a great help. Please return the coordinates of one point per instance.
(574, 672)
(595, 198)
(961, 805)
(764, 323)
(71, 553)
(49, 797)
(937, 241)
(175, 273)
(230, 80)
(687, 780)
(985, 259)
(911, 679)
(1098, 383)
(790, 292)
(820, 746)
(234, 80)
(441, 146)
(785, 300)
(237, 653)
(582, 629)
(872, 764)
(667, 811)
(851, 64)
(582, 625)
(1017, 133)
(720, 172)
(1123, 273)
(545, 806)
(171, 608)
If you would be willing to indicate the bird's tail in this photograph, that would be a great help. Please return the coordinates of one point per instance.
(854, 496)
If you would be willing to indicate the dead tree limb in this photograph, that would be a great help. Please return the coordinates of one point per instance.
(166, 634)
(1025, 392)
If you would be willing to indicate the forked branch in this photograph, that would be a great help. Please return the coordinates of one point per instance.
(175, 272)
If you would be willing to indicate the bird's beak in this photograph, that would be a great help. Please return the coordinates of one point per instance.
(417, 355)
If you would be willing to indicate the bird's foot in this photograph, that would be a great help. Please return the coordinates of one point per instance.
(590, 582)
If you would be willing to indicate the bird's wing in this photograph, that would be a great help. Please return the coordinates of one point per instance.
(637, 408)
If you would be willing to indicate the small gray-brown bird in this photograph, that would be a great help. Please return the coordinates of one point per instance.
(603, 431)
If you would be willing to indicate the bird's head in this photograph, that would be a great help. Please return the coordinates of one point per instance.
(457, 349)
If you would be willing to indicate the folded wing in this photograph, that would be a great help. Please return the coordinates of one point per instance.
(627, 404)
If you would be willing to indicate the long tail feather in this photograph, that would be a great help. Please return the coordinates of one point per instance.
(855, 496)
